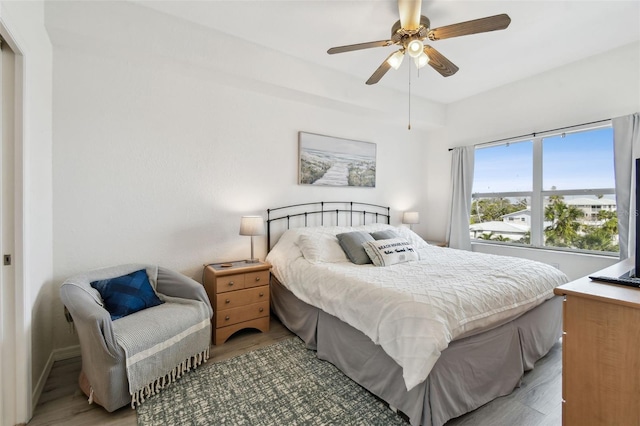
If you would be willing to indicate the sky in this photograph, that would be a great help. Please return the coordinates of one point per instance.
(580, 160)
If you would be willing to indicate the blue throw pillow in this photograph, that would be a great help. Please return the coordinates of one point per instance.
(127, 294)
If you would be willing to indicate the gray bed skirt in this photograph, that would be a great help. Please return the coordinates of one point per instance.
(469, 373)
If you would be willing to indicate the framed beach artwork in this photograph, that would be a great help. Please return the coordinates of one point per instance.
(330, 161)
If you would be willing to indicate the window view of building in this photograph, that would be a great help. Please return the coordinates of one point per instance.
(551, 191)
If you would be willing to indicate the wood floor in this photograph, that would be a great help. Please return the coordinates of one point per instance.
(537, 402)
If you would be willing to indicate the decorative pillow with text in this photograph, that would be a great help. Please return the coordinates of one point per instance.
(390, 251)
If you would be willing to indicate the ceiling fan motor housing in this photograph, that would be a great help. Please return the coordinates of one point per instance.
(403, 36)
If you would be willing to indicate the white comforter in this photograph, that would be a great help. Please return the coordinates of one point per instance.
(414, 309)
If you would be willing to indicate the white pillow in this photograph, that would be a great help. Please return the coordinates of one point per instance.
(416, 240)
(321, 248)
(391, 251)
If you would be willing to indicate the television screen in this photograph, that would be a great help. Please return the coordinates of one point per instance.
(630, 278)
(634, 273)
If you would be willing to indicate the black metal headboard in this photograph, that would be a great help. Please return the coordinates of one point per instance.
(332, 210)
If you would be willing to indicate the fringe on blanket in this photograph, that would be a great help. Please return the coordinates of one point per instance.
(158, 384)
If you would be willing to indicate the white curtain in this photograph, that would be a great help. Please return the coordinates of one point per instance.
(626, 148)
(461, 187)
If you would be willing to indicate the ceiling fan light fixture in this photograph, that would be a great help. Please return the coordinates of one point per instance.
(415, 48)
(409, 34)
(395, 60)
(421, 60)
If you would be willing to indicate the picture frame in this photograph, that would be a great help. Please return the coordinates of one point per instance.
(332, 161)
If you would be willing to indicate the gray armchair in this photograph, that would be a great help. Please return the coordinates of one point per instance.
(129, 359)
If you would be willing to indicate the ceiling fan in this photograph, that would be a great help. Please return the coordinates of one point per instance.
(410, 32)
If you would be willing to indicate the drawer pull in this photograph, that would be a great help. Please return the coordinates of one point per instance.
(261, 309)
(261, 294)
(227, 318)
(231, 283)
(227, 301)
(257, 278)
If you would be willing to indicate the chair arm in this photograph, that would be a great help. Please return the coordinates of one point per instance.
(90, 319)
(175, 284)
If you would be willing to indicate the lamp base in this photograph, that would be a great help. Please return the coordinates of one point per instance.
(252, 260)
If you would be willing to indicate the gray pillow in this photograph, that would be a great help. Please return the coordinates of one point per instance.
(387, 234)
(351, 243)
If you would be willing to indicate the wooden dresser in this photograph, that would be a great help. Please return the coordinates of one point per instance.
(601, 351)
(239, 295)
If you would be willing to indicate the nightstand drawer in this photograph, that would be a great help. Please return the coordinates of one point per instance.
(241, 314)
(230, 283)
(253, 279)
(242, 297)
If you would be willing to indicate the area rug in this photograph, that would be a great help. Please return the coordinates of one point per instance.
(281, 384)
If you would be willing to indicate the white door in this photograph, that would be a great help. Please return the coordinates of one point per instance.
(7, 237)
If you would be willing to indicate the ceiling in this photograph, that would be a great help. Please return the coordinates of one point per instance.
(543, 35)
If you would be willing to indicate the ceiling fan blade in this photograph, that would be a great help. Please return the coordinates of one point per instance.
(380, 72)
(409, 13)
(482, 25)
(359, 46)
(439, 63)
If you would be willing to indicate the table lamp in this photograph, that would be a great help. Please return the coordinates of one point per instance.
(410, 218)
(252, 225)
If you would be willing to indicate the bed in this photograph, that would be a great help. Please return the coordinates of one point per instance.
(435, 334)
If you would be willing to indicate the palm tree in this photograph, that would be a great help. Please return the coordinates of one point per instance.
(526, 238)
(490, 236)
(565, 226)
(488, 209)
(610, 219)
(600, 237)
(597, 238)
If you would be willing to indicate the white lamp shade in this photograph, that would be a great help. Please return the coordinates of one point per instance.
(395, 59)
(421, 60)
(252, 225)
(410, 218)
(415, 48)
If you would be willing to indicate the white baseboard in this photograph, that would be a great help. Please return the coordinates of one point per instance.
(37, 390)
(56, 355)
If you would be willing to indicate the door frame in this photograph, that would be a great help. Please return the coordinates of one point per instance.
(18, 379)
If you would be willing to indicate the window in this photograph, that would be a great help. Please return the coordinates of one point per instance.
(553, 191)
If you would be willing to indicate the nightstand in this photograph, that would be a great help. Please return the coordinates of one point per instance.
(239, 295)
(437, 243)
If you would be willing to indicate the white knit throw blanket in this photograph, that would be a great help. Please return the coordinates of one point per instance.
(159, 348)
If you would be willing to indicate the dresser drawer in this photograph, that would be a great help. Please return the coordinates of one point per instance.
(244, 297)
(230, 283)
(254, 279)
(241, 314)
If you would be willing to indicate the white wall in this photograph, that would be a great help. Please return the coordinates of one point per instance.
(24, 21)
(158, 149)
(600, 87)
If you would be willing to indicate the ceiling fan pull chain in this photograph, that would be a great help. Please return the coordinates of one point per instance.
(409, 127)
